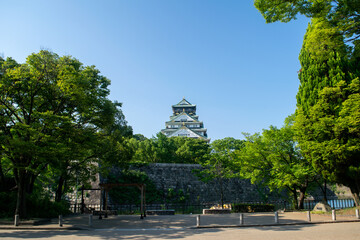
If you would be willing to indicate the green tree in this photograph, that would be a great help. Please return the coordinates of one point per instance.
(190, 150)
(325, 69)
(329, 135)
(218, 164)
(344, 15)
(168, 150)
(43, 103)
(273, 159)
(323, 60)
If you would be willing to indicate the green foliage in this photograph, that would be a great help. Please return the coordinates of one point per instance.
(131, 195)
(39, 205)
(55, 121)
(167, 150)
(174, 196)
(218, 165)
(45, 208)
(327, 113)
(343, 15)
(254, 207)
(272, 159)
(323, 62)
(330, 134)
(8, 204)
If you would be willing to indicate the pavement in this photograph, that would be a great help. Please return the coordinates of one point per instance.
(292, 225)
(81, 222)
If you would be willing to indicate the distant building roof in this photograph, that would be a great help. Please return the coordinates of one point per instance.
(183, 103)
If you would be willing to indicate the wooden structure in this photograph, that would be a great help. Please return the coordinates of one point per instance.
(108, 186)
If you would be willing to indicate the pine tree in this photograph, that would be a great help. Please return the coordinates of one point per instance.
(322, 60)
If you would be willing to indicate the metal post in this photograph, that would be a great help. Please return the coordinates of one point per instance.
(60, 220)
(16, 223)
(106, 203)
(141, 202)
(144, 200)
(241, 219)
(90, 220)
(82, 200)
(357, 214)
(333, 215)
(276, 217)
(198, 221)
(308, 213)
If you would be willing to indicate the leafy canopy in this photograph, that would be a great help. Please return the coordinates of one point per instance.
(344, 15)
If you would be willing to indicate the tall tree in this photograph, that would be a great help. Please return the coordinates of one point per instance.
(325, 78)
(323, 60)
(41, 102)
(329, 134)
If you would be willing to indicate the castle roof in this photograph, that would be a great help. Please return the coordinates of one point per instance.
(183, 103)
(183, 117)
(186, 132)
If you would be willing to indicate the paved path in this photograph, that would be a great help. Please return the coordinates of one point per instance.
(183, 226)
(348, 231)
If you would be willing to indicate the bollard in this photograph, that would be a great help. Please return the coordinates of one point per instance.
(60, 220)
(17, 220)
(357, 213)
(276, 217)
(198, 221)
(308, 216)
(333, 215)
(241, 219)
(100, 217)
(90, 220)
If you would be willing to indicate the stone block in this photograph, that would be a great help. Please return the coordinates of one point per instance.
(216, 211)
(321, 206)
(160, 212)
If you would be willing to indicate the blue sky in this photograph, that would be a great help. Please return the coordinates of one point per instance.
(220, 55)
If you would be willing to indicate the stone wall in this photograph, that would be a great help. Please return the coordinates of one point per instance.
(182, 177)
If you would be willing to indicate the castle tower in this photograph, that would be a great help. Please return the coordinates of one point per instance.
(184, 122)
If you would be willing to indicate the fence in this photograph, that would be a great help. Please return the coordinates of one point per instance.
(333, 203)
(197, 208)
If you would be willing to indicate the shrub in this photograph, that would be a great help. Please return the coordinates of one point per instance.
(43, 207)
(252, 207)
(8, 204)
(37, 206)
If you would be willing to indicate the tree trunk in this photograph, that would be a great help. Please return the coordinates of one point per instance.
(355, 194)
(21, 194)
(302, 198)
(2, 177)
(325, 191)
(59, 189)
(295, 200)
(30, 183)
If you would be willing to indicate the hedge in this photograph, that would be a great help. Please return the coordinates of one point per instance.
(252, 207)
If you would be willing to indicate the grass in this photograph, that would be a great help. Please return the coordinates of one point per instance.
(340, 212)
(347, 211)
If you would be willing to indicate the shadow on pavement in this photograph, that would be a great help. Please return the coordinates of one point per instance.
(160, 227)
